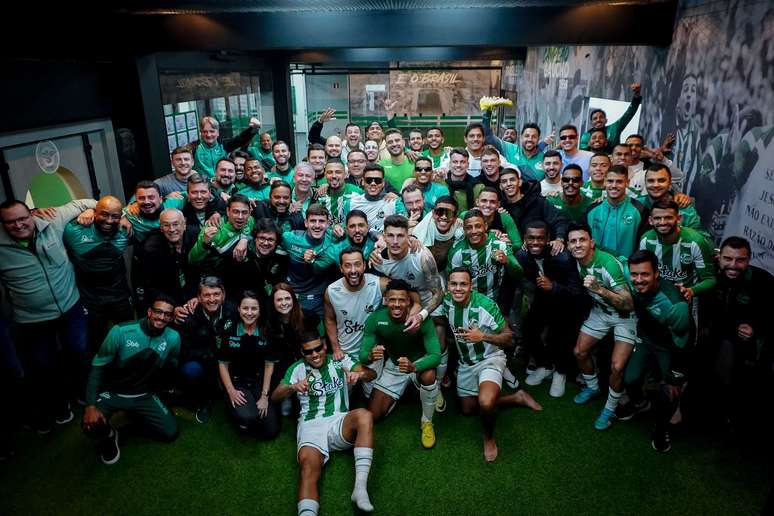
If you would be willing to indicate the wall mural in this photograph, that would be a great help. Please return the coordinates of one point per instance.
(713, 87)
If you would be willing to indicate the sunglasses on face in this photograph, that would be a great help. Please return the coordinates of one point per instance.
(444, 212)
(316, 349)
(373, 180)
(567, 137)
(424, 169)
(572, 180)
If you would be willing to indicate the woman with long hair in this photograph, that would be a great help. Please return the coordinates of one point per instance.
(246, 361)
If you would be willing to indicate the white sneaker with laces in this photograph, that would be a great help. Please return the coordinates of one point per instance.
(557, 385)
(538, 375)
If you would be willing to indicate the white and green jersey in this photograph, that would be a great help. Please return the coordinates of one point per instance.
(480, 312)
(352, 309)
(608, 272)
(376, 210)
(687, 261)
(327, 394)
(487, 273)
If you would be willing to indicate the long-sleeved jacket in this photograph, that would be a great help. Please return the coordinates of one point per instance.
(206, 157)
(534, 206)
(40, 279)
(568, 290)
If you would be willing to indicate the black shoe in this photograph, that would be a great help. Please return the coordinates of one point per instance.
(628, 411)
(109, 451)
(661, 440)
(39, 428)
(204, 413)
(65, 416)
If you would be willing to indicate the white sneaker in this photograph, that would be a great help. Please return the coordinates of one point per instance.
(557, 385)
(538, 375)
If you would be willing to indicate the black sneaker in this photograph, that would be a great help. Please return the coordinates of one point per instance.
(204, 413)
(661, 440)
(628, 411)
(109, 451)
(65, 416)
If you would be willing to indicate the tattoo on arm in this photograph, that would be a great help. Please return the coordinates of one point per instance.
(430, 270)
(620, 297)
(504, 339)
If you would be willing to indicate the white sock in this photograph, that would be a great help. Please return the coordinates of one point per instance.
(440, 371)
(427, 395)
(308, 507)
(363, 458)
(591, 381)
(612, 400)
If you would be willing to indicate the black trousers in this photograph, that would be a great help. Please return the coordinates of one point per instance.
(560, 330)
(265, 428)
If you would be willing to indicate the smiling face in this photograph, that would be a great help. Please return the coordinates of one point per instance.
(572, 180)
(597, 141)
(598, 168)
(568, 140)
(373, 182)
(209, 134)
(239, 167)
(733, 262)
(460, 286)
(490, 165)
(254, 173)
(148, 199)
(334, 175)
(552, 165)
(509, 185)
(536, 241)
(375, 132)
(510, 135)
(314, 352)
(488, 202)
(458, 166)
(283, 301)
(474, 140)
(398, 303)
(423, 171)
(529, 138)
(198, 195)
(434, 139)
(353, 268)
(581, 245)
(357, 229)
(333, 146)
(414, 202)
(107, 216)
(444, 216)
(225, 173)
(615, 185)
(356, 162)
(622, 155)
(664, 221)
(281, 154)
(598, 120)
(475, 231)
(316, 225)
(657, 183)
(279, 198)
(395, 144)
(635, 147)
(304, 179)
(238, 213)
(416, 141)
(249, 310)
(172, 226)
(18, 222)
(211, 298)
(266, 142)
(353, 136)
(265, 242)
(644, 278)
(160, 315)
(182, 162)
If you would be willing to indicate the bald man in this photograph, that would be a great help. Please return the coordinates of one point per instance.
(96, 251)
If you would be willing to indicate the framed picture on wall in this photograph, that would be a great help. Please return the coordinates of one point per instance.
(171, 142)
(180, 123)
(193, 135)
(182, 139)
(170, 124)
(190, 120)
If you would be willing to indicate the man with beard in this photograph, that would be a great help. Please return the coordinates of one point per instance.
(144, 213)
(464, 187)
(315, 156)
(416, 141)
(594, 188)
(214, 241)
(530, 205)
(263, 151)
(618, 222)
(686, 149)
(423, 178)
(412, 205)
(223, 185)
(685, 257)
(163, 267)
(527, 155)
(509, 134)
(658, 186)
(281, 170)
(375, 133)
(480, 333)
(570, 201)
(571, 154)
(182, 164)
(357, 237)
(277, 208)
(612, 310)
(198, 206)
(97, 254)
(408, 357)
(124, 374)
(551, 184)
(239, 158)
(263, 267)
(435, 150)
(614, 130)
(558, 290)
(337, 189)
(738, 331)
(664, 330)
(398, 167)
(373, 202)
(255, 188)
(485, 256)
(598, 141)
(208, 150)
(304, 247)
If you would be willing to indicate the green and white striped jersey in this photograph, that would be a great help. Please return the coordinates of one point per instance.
(327, 394)
(480, 312)
(609, 273)
(688, 261)
(487, 273)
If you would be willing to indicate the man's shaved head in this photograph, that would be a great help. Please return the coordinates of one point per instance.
(107, 214)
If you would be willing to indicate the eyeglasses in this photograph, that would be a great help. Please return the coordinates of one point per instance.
(170, 225)
(373, 180)
(316, 349)
(266, 239)
(424, 169)
(444, 212)
(162, 313)
(568, 137)
(572, 180)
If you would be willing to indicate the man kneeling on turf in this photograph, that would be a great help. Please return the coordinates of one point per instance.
(410, 356)
(480, 332)
(123, 374)
(326, 424)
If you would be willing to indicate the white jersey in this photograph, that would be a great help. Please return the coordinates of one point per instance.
(410, 269)
(549, 188)
(328, 394)
(352, 309)
(376, 211)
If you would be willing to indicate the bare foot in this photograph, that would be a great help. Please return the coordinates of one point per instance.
(524, 398)
(490, 450)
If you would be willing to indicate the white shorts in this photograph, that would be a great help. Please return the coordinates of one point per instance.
(488, 370)
(323, 434)
(392, 382)
(599, 323)
(376, 366)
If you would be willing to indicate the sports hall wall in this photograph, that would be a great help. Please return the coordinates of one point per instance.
(713, 87)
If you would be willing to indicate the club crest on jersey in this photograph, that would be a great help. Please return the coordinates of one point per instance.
(685, 259)
(369, 309)
(380, 215)
(162, 345)
(627, 219)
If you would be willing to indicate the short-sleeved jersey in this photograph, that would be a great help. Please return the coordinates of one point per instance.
(327, 394)
(688, 261)
(480, 312)
(410, 269)
(352, 309)
(397, 174)
(608, 272)
(575, 212)
(487, 273)
(288, 176)
(591, 191)
(376, 211)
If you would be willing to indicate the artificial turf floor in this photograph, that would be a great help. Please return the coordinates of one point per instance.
(552, 462)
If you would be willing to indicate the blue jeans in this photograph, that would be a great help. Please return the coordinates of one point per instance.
(53, 354)
(313, 303)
